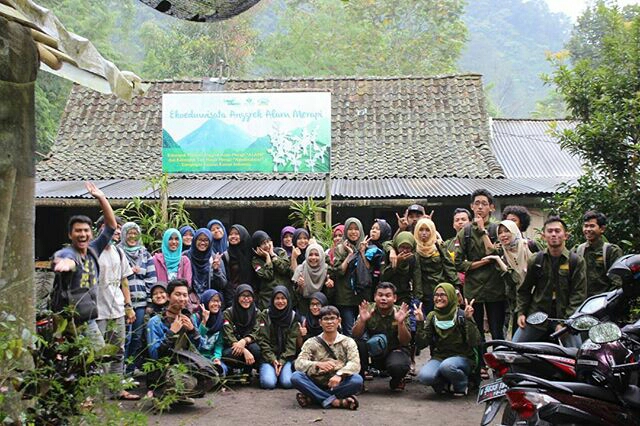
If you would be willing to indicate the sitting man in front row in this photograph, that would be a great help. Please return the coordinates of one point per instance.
(328, 366)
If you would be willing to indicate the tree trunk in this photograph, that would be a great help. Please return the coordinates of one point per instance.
(19, 64)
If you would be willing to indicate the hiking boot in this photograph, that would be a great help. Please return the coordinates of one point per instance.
(397, 385)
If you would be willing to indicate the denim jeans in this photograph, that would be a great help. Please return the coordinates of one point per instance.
(269, 380)
(454, 370)
(350, 385)
(534, 334)
(113, 333)
(348, 315)
(133, 343)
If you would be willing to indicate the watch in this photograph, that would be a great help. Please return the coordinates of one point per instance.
(339, 373)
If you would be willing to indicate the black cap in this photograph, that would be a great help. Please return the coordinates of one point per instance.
(416, 208)
(158, 284)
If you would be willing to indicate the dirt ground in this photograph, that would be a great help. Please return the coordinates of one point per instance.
(247, 405)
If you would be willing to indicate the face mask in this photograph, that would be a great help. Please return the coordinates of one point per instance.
(444, 325)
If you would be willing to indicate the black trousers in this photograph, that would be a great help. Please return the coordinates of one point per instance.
(396, 362)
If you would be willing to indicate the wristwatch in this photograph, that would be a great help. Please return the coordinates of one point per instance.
(339, 373)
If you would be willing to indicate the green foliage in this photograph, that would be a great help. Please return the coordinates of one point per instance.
(356, 38)
(152, 218)
(306, 214)
(66, 384)
(601, 92)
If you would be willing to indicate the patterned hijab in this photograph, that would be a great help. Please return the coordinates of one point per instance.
(171, 257)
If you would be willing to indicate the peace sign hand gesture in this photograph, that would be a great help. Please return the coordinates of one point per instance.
(403, 222)
(468, 308)
(417, 312)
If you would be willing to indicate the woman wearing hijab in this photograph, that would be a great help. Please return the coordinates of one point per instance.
(187, 233)
(210, 328)
(311, 276)
(270, 269)
(300, 242)
(512, 263)
(170, 264)
(453, 337)
(279, 331)
(237, 261)
(240, 330)
(402, 274)
(316, 301)
(219, 241)
(286, 241)
(143, 278)
(337, 234)
(433, 263)
(204, 276)
(349, 289)
(379, 234)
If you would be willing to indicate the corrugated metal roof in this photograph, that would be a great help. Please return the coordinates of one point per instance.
(286, 189)
(528, 149)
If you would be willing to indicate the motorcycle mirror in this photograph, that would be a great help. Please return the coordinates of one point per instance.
(537, 318)
(584, 322)
(605, 333)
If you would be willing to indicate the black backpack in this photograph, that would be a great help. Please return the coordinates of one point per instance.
(539, 262)
(493, 236)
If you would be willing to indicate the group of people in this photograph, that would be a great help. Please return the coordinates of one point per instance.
(323, 319)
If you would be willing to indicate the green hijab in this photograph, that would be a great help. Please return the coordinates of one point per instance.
(404, 237)
(447, 315)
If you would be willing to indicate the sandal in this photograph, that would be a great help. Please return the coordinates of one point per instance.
(484, 374)
(350, 403)
(128, 396)
(303, 400)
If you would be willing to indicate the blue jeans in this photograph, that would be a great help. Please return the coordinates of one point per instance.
(269, 380)
(454, 370)
(348, 315)
(133, 343)
(534, 334)
(350, 385)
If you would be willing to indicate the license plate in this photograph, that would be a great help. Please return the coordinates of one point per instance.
(492, 390)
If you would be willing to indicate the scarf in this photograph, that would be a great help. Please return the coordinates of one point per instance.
(385, 232)
(355, 244)
(171, 258)
(183, 231)
(517, 252)
(404, 237)
(314, 278)
(243, 319)
(221, 245)
(286, 230)
(428, 248)
(240, 270)
(133, 253)
(280, 319)
(257, 239)
(445, 318)
(296, 235)
(313, 322)
(200, 262)
(214, 323)
(332, 251)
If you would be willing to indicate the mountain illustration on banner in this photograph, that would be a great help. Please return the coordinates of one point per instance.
(216, 134)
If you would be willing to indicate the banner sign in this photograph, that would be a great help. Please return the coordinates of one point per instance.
(237, 132)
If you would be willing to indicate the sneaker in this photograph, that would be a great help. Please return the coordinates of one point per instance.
(185, 400)
(461, 393)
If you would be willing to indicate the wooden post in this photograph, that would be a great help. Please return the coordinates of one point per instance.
(328, 214)
(19, 64)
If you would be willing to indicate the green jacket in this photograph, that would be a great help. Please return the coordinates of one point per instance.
(454, 344)
(278, 272)
(431, 271)
(385, 324)
(267, 339)
(344, 294)
(483, 284)
(597, 280)
(228, 329)
(402, 278)
(557, 293)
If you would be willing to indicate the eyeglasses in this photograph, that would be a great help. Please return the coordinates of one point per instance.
(315, 305)
(246, 296)
(329, 319)
(439, 295)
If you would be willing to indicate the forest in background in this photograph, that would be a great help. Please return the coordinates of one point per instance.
(507, 41)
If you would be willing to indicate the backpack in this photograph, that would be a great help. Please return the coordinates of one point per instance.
(539, 262)
(605, 253)
(493, 236)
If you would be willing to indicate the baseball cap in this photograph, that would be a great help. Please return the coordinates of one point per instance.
(416, 208)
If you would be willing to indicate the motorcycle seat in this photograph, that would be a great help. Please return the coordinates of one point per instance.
(633, 329)
(590, 391)
(539, 348)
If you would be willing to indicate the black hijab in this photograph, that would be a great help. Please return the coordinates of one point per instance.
(280, 319)
(296, 235)
(243, 319)
(385, 232)
(257, 238)
(313, 322)
(240, 270)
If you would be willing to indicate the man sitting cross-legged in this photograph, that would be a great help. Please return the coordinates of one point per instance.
(328, 366)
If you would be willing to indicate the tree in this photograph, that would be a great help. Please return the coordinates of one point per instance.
(601, 92)
(372, 37)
